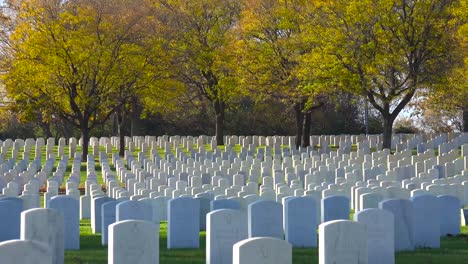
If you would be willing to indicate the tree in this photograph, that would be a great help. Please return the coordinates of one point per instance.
(459, 77)
(339, 115)
(385, 50)
(75, 58)
(198, 37)
(7, 25)
(271, 44)
(405, 125)
(437, 120)
(448, 101)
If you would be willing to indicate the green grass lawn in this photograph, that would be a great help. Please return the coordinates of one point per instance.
(453, 250)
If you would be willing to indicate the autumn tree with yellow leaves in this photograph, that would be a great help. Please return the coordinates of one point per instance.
(385, 50)
(82, 60)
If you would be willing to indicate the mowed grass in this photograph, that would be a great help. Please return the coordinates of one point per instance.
(453, 250)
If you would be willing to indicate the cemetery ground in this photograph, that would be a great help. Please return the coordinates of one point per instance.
(453, 249)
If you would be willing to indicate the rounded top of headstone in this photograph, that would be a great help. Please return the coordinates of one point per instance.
(336, 198)
(264, 203)
(223, 211)
(63, 199)
(372, 212)
(14, 199)
(291, 200)
(268, 241)
(132, 222)
(345, 223)
(393, 202)
(28, 247)
(423, 197)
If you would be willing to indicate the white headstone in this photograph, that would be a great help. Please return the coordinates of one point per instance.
(133, 241)
(380, 234)
(342, 242)
(225, 227)
(25, 252)
(262, 250)
(46, 226)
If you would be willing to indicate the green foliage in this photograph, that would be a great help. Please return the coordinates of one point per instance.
(384, 50)
(79, 60)
(197, 35)
(448, 102)
(271, 42)
(11, 126)
(84, 61)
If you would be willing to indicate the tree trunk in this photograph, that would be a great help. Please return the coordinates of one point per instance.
(66, 130)
(387, 131)
(306, 129)
(135, 114)
(299, 123)
(465, 119)
(120, 130)
(132, 125)
(219, 108)
(46, 129)
(121, 142)
(45, 126)
(85, 136)
(115, 123)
